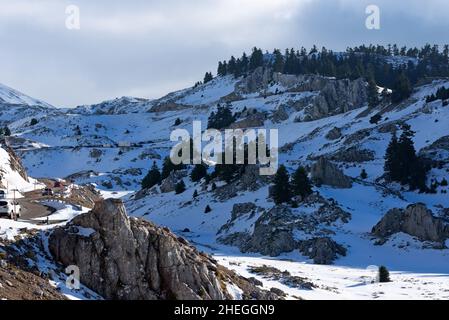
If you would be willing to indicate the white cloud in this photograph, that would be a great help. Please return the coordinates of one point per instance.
(150, 47)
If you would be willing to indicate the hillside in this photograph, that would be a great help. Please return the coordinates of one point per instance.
(330, 240)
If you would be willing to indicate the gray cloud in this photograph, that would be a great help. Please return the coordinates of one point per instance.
(148, 48)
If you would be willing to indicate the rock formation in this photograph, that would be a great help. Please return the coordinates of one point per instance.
(126, 258)
(321, 250)
(325, 172)
(416, 220)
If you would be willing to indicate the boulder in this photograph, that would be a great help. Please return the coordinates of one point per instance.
(321, 250)
(271, 235)
(127, 258)
(334, 134)
(416, 220)
(169, 183)
(326, 173)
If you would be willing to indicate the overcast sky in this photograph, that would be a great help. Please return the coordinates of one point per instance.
(149, 48)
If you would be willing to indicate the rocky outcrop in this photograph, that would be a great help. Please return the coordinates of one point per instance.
(416, 220)
(321, 250)
(14, 160)
(251, 121)
(332, 96)
(126, 258)
(250, 180)
(257, 80)
(272, 236)
(353, 155)
(326, 173)
(168, 106)
(439, 150)
(273, 231)
(169, 183)
(334, 134)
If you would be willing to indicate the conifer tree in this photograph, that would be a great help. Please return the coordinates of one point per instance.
(363, 174)
(198, 172)
(152, 178)
(373, 94)
(301, 185)
(384, 274)
(6, 132)
(208, 77)
(281, 188)
(180, 187)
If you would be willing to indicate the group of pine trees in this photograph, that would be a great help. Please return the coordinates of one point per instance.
(284, 188)
(155, 176)
(368, 62)
(441, 94)
(402, 164)
(220, 119)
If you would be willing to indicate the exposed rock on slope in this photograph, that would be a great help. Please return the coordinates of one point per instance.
(416, 220)
(321, 250)
(126, 258)
(275, 231)
(325, 172)
(14, 160)
(17, 284)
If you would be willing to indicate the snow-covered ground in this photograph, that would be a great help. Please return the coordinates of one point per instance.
(115, 151)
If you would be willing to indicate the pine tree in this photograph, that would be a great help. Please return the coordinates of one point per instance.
(384, 275)
(207, 209)
(198, 172)
(402, 164)
(195, 194)
(282, 189)
(208, 77)
(402, 88)
(177, 122)
(392, 162)
(301, 185)
(168, 167)
(33, 122)
(278, 65)
(6, 132)
(363, 174)
(180, 187)
(223, 118)
(152, 178)
(443, 182)
(373, 94)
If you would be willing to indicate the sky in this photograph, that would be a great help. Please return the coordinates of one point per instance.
(148, 48)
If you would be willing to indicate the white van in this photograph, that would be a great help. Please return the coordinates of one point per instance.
(7, 209)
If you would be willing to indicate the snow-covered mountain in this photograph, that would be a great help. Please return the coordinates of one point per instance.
(11, 96)
(113, 144)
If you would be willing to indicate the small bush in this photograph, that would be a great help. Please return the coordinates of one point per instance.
(375, 119)
(363, 174)
(180, 187)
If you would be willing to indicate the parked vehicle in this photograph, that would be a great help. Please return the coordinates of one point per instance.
(7, 209)
(2, 194)
(47, 192)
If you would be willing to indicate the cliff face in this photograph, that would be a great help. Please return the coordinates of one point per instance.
(126, 258)
(332, 96)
